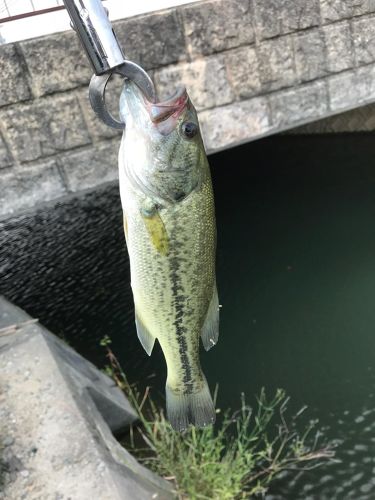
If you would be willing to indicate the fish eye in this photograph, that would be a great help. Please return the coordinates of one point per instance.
(189, 129)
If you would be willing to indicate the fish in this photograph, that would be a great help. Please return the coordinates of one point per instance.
(170, 231)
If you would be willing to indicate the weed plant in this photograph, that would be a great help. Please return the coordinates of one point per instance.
(236, 459)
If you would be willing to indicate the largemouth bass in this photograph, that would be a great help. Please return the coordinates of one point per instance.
(170, 231)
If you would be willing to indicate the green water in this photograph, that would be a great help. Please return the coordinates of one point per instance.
(296, 277)
(296, 268)
(296, 271)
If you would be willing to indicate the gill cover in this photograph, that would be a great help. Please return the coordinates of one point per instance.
(162, 146)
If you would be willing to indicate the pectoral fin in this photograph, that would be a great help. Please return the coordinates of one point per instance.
(145, 337)
(156, 229)
(210, 330)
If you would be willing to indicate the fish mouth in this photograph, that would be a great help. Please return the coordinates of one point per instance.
(164, 115)
(173, 106)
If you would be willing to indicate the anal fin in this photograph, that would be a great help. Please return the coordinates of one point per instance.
(210, 330)
(125, 228)
(145, 337)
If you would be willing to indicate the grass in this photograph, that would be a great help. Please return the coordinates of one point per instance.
(236, 459)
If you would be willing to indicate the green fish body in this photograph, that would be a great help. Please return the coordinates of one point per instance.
(170, 230)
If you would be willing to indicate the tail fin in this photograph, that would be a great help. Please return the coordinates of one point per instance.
(195, 409)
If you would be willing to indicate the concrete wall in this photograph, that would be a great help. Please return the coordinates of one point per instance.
(253, 67)
(58, 412)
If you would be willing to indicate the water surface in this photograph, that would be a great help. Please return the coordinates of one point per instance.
(296, 277)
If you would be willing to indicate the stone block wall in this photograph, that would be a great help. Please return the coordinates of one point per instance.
(252, 67)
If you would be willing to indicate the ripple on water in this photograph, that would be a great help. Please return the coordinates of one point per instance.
(352, 478)
(67, 265)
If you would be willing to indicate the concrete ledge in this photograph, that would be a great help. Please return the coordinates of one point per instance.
(357, 120)
(57, 412)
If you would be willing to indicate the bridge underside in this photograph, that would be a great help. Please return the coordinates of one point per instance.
(252, 68)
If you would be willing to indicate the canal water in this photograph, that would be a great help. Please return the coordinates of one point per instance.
(296, 278)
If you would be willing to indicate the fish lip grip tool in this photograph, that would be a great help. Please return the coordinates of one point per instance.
(89, 19)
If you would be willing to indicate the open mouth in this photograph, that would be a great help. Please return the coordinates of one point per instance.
(165, 114)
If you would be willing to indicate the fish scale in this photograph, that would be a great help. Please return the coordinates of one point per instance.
(171, 243)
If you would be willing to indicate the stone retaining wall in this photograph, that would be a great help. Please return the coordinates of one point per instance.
(252, 67)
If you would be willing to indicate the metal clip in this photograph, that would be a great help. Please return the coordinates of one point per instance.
(98, 85)
(94, 29)
(90, 21)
